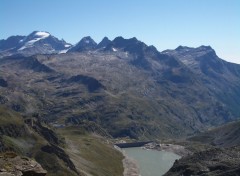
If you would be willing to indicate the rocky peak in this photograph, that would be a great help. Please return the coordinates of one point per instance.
(105, 41)
(183, 48)
(10, 42)
(86, 43)
(120, 42)
(201, 50)
(87, 40)
(132, 45)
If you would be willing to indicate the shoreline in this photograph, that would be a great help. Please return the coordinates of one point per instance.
(177, 149)
(130, 166)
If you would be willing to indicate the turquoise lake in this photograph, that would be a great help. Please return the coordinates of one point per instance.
(152, 162)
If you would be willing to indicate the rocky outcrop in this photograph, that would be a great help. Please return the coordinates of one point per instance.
(214, 162)
(53, 149)
(54, 142)
(13, 165)
(47, 133)
(12, 130)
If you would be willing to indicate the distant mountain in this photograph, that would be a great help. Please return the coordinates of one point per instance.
(85, 44)
(37, 42)
(10, 42)
(217, 75)
(105, 41)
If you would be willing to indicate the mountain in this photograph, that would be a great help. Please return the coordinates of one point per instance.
(10, 42)
(38, 42)
(219, 76)
(105, 41)
(85, 44)
(125, 87)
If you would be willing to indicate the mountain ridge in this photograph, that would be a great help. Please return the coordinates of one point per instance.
(14, 40)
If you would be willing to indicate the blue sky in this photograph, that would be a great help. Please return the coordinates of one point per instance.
(164, 24)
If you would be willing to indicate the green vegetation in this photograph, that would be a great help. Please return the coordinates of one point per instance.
(92, 154)
(224, 136)
(25, 141)
(9, 117)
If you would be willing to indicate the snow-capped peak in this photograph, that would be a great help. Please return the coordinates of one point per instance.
(39, 35)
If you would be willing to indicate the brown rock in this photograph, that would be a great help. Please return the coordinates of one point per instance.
(12, 164)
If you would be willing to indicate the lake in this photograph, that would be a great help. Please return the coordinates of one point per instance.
(152, 162)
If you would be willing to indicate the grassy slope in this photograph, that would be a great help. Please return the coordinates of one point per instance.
(92, 154)
(29, 143)
(224, 136)
(8, 117)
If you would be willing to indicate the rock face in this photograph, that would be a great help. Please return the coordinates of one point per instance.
(14, 165)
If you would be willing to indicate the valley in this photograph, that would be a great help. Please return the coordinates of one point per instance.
(70, 103)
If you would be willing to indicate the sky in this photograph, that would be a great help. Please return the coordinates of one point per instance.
(166, 24)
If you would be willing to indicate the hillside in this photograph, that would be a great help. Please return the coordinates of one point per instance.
(214, 162)
(216, 153)
(223, 136)
(31, 140)
(66, 151)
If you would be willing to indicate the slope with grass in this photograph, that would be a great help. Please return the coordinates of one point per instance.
(91, 153)
(223, 136)
(26, 141)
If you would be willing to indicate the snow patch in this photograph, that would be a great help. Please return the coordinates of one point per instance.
(42, 34)
(87, 41)
(67, 45)
(63, 51)
(39, 36)
(114, 49)
(24, 47)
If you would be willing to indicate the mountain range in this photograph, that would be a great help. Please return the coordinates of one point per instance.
(68, 102)
(127, 88)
